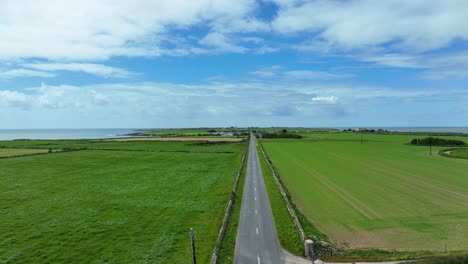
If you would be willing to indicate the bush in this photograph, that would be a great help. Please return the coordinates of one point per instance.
(430, 141)
(280, 135)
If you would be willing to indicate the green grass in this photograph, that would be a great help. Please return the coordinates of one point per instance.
(380, 194)
(463, 259)
(286, 230)
(12, 152)
(114, 206)
(460, 153)
(226, 253)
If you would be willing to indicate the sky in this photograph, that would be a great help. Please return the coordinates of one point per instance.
(220, 63)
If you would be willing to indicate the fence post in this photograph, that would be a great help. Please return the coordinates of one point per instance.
(192, 238)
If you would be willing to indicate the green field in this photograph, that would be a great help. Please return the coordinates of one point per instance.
(380, 194)
(114, 202)
(460, 153)
(12, 152)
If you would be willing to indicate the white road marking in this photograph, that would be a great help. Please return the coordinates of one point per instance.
(255, 198)
(255, 189)
(258, 259)
(255, 211)
(257, 230)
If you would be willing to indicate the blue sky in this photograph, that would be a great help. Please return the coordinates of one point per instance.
(98, 64)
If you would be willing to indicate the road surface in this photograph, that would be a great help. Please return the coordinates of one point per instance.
(257, 242)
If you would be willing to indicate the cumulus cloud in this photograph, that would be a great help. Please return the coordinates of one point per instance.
(92, 30)
(15, 99)
(221, 42)
(171, 104)
(357, 24)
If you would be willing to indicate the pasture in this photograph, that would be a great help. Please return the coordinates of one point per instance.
(114, 202)
(379, 194)
(460, 153)
(12, 152)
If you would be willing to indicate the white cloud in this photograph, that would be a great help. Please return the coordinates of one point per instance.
(221, 42)
(16, 73)
(92, 30)
(441, 74)
(394, 60)
(277, 71)
(267, 72)
(90, 68)
(314, 75)
(325, 99)
(416, 25)
(436, 66)
(170, 104)
(14, 99)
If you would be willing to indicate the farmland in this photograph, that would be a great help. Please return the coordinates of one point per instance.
(380, 194)
(116, 202)
(12, 152)
(461, 153)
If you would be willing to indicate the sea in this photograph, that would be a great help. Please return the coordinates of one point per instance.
(422, 129)
(11, 134)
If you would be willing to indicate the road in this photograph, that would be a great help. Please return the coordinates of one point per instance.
(257, 242)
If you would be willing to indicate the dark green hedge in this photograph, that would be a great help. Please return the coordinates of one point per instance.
(436, 142)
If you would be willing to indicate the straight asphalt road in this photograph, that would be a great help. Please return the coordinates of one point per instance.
(257, 242)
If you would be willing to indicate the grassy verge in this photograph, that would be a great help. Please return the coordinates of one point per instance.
(287, 233)
(226, 253)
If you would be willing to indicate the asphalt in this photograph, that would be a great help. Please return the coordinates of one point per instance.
(257, 242)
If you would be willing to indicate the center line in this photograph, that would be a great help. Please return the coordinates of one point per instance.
(258, 259)
(255, 198)
(255, 211)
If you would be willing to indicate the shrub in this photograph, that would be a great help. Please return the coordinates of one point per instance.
(431, 141)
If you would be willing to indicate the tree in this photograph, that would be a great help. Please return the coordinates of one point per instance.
(284, 131)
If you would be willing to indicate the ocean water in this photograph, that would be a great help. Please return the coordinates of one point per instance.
(11, 134)
(416, 129)
(426, 129)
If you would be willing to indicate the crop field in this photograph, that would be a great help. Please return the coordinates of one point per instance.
(12, 152)
(380, 194)
(114, 202)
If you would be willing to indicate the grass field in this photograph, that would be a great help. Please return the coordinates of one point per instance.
(13, 152)
(115, 202)
(380, 194)
(206, 139)
(461, 153)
